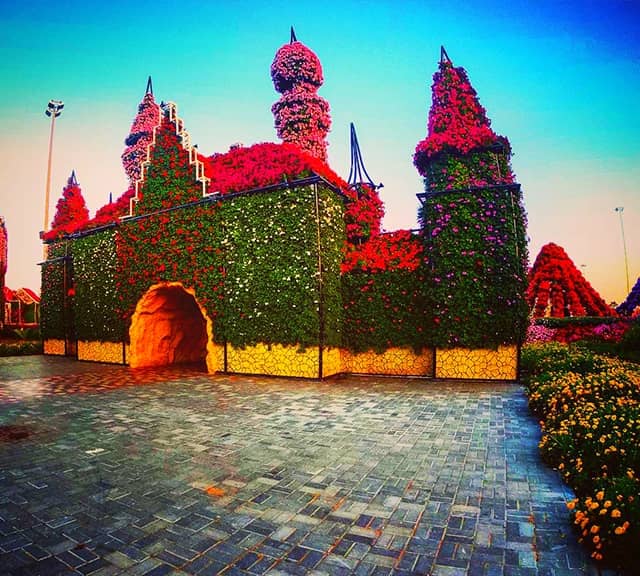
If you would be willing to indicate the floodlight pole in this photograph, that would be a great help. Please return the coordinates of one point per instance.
(619, 210)
(54, 109)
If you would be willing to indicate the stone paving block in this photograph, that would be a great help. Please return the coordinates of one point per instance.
(193, 473)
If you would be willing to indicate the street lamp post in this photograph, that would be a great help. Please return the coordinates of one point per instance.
(619, 210)
(54, 109)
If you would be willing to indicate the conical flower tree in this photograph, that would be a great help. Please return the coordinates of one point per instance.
(71, 211)
(140, 135)
(472, 221)
(557, 288)
(632, 301)
(301, 115)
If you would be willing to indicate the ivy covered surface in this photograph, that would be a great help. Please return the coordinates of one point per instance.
(95, 299)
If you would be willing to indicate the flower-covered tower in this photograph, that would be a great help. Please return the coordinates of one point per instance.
(141, 135)
(472, 220)
(301, 115)
(557, 288)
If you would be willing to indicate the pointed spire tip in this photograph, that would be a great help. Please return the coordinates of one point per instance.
(293, 36)
(149, 89)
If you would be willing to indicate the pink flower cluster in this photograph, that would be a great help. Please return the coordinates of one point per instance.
(140, 137)
(301, 116)
(295, 65)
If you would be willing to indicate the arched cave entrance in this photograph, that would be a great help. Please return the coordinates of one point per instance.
(168, 327)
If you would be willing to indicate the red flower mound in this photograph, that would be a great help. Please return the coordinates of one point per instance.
(263, 165)
(71, 211)
(557, 288)
(457, 121)
(398, 250)
(113, 211)
(363, 214)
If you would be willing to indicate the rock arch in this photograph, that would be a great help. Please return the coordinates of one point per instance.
(169, 326)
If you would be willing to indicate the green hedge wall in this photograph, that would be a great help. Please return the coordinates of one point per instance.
(476, 278)
(95, 300)
(54, 310)
(384, 309)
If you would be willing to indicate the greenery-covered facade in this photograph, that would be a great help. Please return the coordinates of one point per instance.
(263, 260)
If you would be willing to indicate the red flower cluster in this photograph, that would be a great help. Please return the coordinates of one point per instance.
(457, 121)
(263, 165)
(301, 116)
(557, 288)
(113, 211)
(71, 211)
(398, 250)
(140, 136)
(363, 214)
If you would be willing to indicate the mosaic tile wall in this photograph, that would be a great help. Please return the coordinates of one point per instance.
(274, 360)
(54, 347)
(331, 362)
(395, 361)
(483, 364)
(110, 352)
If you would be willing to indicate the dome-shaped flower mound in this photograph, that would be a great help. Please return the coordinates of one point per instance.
(294, 64)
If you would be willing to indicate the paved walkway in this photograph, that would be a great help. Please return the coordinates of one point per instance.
(104, 470)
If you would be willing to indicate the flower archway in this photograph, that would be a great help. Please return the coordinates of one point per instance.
(170, 327)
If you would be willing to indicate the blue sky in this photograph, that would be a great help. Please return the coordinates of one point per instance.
(560, 79)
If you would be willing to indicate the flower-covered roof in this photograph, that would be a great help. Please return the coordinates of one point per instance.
(71, 211)
(264, 164)
(457, 121)
(557, 288)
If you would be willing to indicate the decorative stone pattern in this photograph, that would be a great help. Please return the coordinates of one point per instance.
(393, 362)
(54, 347)
(110, 352)
(331, 361)
(480, 364)
(274, 360)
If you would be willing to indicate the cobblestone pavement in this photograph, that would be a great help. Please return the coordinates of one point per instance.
(105, 470)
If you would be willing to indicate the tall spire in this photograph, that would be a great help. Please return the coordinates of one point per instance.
(358, 173)
(72, 180)
(149, 89)
(444, 57)
(293, 36)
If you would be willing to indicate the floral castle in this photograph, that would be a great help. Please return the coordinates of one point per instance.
(263, 260)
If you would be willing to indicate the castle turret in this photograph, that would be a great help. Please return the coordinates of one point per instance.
(472, 221)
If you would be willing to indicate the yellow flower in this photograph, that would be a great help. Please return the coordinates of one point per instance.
(571, 504)
(595, 529)
(620, 530)
(600, 495)
(615, 513)
(607, 504)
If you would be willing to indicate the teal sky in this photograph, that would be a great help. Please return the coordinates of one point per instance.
(560, 79)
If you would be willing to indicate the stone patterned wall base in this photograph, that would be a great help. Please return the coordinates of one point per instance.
(215, 357)
(54, 347)
(331, 362)
(274, 360)
(393, 362)
(95, 351)
(478, 364)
